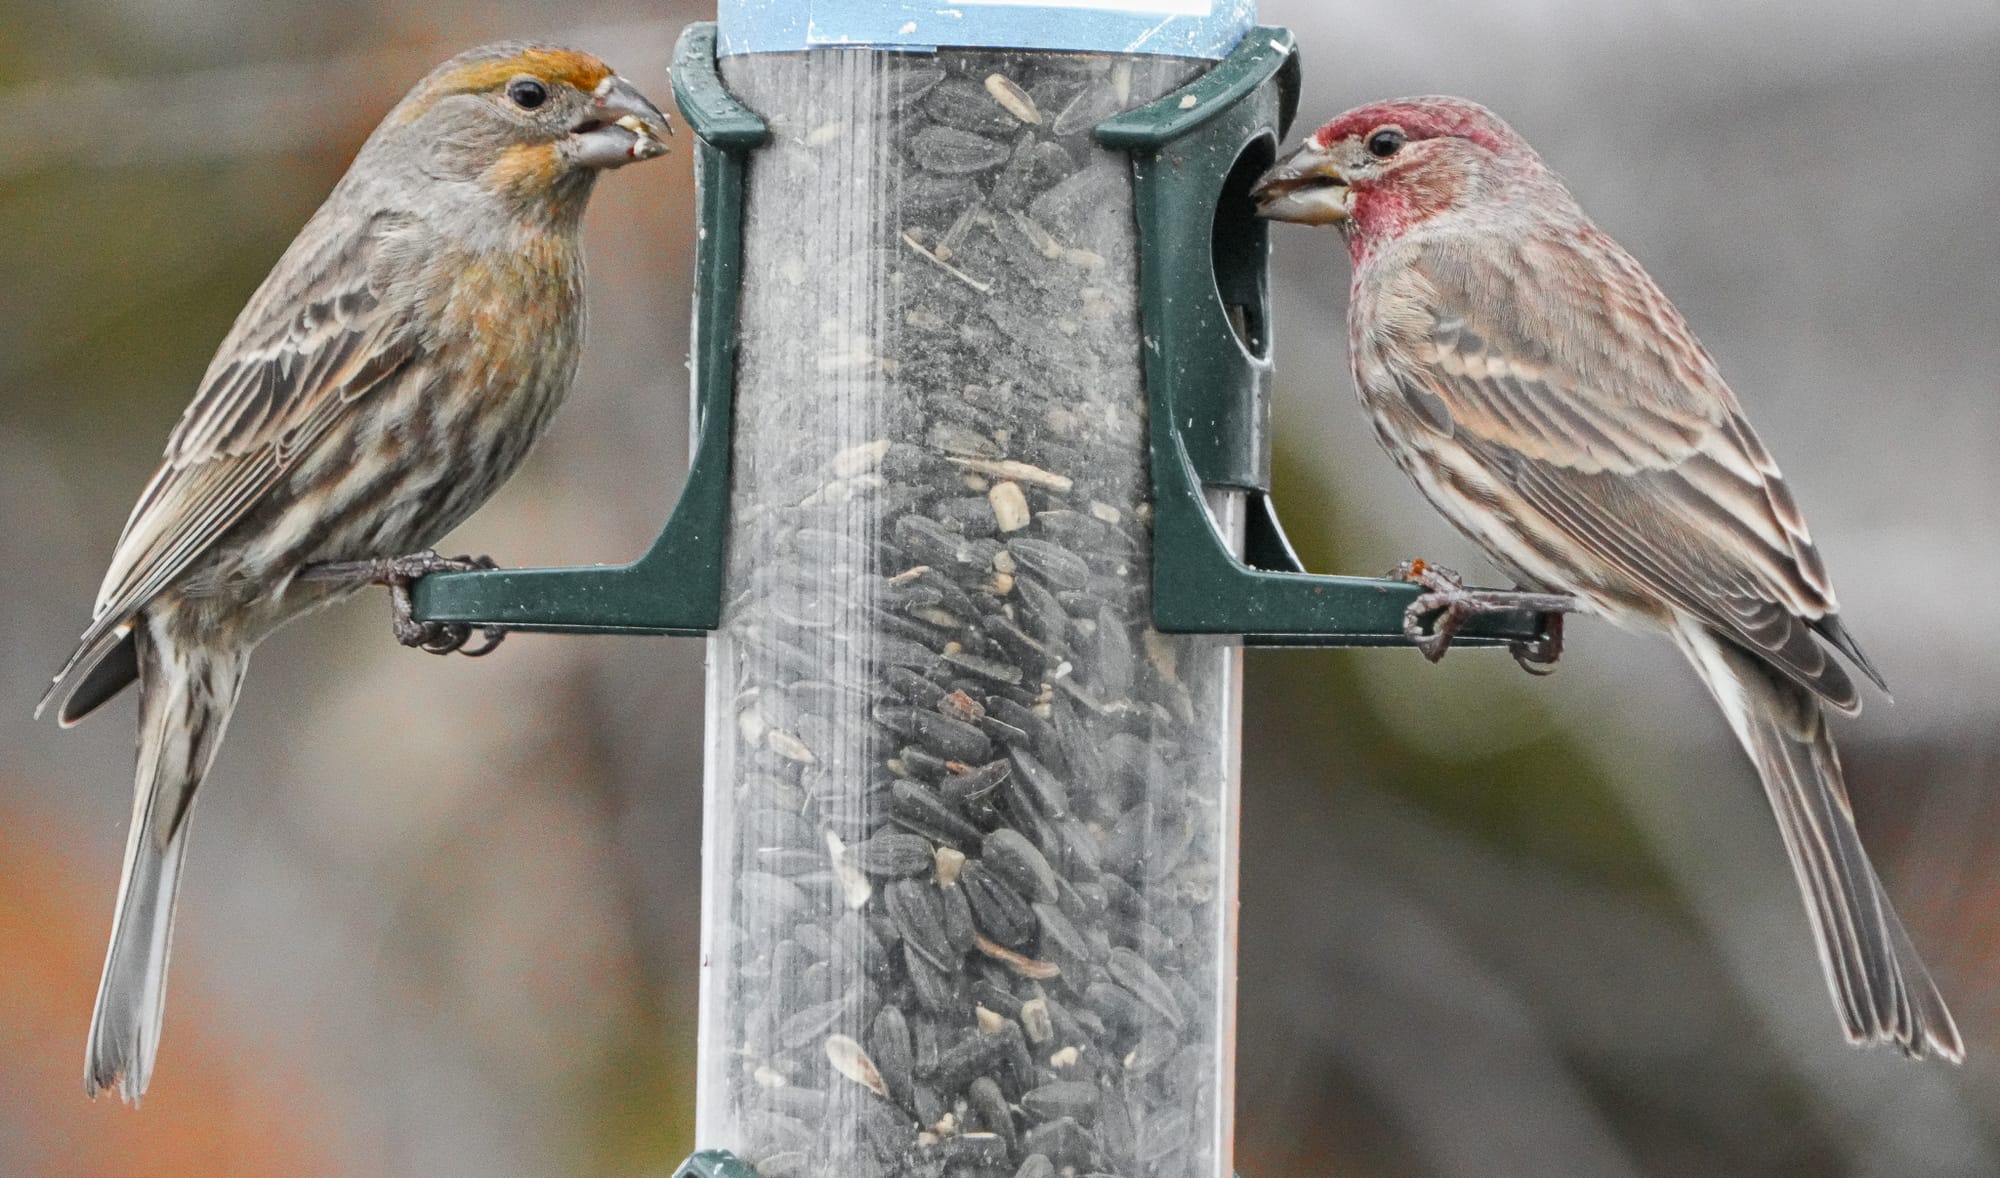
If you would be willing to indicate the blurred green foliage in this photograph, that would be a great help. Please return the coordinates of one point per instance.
(124, 280)
(1468, 741)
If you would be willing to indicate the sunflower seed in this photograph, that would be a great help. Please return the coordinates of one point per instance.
(1013, 858)
(961, 930)
(1157, 1044)
(1051, 562)
(772, 898)
(965, 103)
(978, 1054)
(939, 991)
(889, 1046)
(975, 785)
(919, 916)
(789, 747)
(1065, 1143)
(893, 853)
(1076, 1099)
(951, 152)
(921, 811)
(997, 908)
(1118, 1007)
(988, 1108)
(854, 885)
(1062, 944)
(1041, 786)
(851, 1061)
(928, 541)
(1090, 107)
(1134, 973)
(1008, 93)
(914, 687)
(910, 86)
(811, 1022)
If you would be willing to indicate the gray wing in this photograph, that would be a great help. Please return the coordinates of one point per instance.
(296, 361)
(1594, 403)
(329, 326)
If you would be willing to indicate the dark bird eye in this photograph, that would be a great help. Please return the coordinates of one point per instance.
(527, 93)
(1385, 143)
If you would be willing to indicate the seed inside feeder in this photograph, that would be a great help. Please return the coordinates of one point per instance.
(972, 808)
(1010, 506)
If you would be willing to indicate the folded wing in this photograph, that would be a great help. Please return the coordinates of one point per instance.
(1630, 443)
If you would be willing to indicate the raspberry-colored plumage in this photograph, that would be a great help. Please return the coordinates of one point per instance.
(1551, 403)
(389, 374)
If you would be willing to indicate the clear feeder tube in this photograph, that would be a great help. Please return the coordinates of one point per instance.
(970, 858)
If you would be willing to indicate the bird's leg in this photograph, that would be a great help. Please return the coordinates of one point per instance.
(398, 573)
(1445, 594)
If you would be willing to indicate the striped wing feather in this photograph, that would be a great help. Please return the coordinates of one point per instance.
(293, 364)
(1598, 408)
(280, 381)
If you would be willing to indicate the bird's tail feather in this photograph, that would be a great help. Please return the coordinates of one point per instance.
(186, 692)
(98, 669)
(1878, 983)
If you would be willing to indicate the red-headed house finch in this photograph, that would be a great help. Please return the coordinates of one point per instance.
(388, 375)
(1550, 401)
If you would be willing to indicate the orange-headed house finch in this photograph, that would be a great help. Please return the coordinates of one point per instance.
(1546, 397)
(384, 380)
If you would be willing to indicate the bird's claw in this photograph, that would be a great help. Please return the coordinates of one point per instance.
(1539, 657)
(440, 637)
(398, 574)
(1446, 596)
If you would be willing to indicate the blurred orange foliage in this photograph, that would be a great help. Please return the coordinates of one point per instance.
(229, 1107)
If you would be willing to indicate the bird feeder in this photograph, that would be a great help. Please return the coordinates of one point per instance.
(976, 526)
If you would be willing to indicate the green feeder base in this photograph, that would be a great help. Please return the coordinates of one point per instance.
(715, 1163)
(719, 1163)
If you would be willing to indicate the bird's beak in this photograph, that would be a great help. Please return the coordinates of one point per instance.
(1305, 187)
(623, 127)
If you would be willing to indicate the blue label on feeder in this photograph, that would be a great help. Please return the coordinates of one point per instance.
(1174, 28)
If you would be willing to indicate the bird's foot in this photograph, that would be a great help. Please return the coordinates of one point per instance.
(1540, 656)
(1446, 596)
(399, 573)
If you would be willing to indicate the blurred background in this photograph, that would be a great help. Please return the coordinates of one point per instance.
(442, 914)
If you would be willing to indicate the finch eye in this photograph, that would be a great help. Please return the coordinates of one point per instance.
(527, 93)
(1385, 143)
